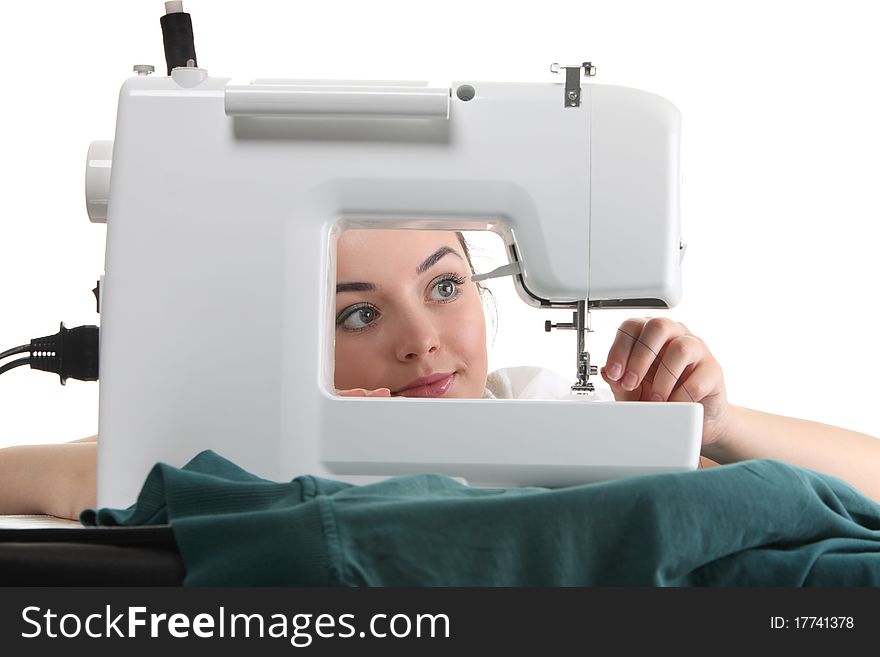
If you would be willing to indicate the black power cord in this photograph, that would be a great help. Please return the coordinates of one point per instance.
(70, 353)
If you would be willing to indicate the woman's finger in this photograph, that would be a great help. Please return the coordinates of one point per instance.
(646, 348)
(619, 393)
(363, 392)
(697, 384)
(679, 354)
(381, 392)
(354, 392)
(620, 350)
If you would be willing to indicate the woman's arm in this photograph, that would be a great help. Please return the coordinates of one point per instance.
(90, 439)
(848, 455)
(56, 480)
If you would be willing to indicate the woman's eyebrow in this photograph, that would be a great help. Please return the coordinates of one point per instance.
(355, 287)
(429, 262)
(432, 259)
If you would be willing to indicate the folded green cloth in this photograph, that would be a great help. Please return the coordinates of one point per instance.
(754, 523)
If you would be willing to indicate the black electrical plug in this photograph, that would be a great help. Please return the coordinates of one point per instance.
(70, 353)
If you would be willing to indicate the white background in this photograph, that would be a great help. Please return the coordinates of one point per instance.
(780, 155)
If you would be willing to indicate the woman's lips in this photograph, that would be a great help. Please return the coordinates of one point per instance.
(437, 386)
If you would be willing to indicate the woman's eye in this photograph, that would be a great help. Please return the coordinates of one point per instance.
(358, 318)
(447, 288)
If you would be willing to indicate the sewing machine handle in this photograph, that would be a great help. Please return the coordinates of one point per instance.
(326, 101)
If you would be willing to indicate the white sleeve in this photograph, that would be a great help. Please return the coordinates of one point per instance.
(529, 382)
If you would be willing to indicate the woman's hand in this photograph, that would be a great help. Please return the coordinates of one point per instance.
(362, 392)
(661, 360)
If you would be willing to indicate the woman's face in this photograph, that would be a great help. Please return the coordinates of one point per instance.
(408, 318)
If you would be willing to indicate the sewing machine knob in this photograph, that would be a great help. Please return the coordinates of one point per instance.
(98, 164)
(561, 325)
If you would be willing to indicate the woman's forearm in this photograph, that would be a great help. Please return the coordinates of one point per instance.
(57, 480)
(89, 439)
(848, 455)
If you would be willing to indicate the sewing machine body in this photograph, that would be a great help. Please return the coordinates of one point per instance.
(218, 297)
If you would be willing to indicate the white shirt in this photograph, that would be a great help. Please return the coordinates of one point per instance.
(529, 382)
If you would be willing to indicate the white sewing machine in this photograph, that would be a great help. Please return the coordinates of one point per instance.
(218, 297)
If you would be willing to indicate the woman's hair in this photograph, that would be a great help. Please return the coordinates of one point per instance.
(482, 289)
(467, 252)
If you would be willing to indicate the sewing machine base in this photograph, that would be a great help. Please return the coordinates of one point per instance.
(549, 443)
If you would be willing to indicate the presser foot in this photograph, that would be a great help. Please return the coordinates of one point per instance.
(583, 386)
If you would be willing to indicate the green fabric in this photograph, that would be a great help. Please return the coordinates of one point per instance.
(761, 523)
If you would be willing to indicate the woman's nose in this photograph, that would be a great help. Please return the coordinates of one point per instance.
(418, 336)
